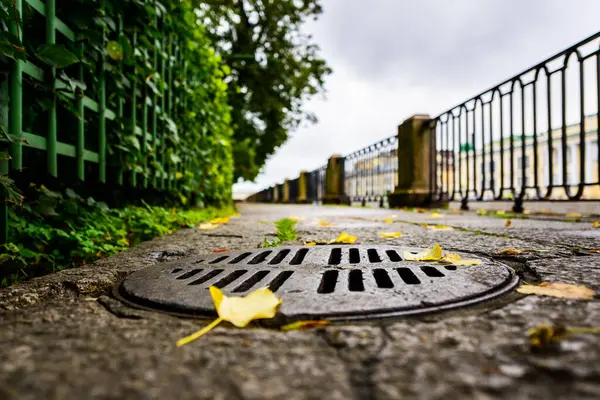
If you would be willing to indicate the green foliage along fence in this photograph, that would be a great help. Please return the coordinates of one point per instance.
(124, 92)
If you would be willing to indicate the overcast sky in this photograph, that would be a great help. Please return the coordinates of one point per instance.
(395, 58)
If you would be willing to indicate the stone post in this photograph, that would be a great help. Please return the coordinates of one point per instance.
(285, 198)
(302, 188)
(334, 181)
(276, 193)
(415, 137)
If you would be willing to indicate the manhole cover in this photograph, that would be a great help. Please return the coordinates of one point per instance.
(322, 282)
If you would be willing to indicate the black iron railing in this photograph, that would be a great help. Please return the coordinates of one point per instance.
(532, 137)
(372, 172)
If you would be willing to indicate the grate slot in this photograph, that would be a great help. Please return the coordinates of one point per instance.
(335, 257)
(189, 274)
(250, 282)
(218, 260)
(232, 277)
(207, 277)
(198, 261)
(355, 281)
(393, 255)
(432, 272)
(354, 256)
(328, 281)
(260, 257)
(450, 267)
(382, 279)
(299, 257)
(239, 258)
(408, 276)
(280, 280)
(373, 256)
(176, 270)
(280, 256)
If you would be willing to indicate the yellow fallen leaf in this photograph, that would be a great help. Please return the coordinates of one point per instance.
(259, 304)
(439, 227)
(433, 254)
(310, 243)
(388, 220)
(344, 238)
(235, 216)
(526, 212)
(544, 336)
(300, 325)
(456, 260)
(436, 215)
(390, 235)
(596, 224)
(511, 251)
(325, 223)
(500, 212)
(557, 289)
(573, 214)
(297, 219)
(481, 211)
(206, 226)
(223, 220)
(508, 223)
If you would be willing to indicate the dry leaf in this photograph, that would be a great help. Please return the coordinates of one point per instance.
(456, 260)
(526, 212)
(310, 243)
(325, 223)
(556, 289)
(344, 238)
(420, 211)
(390, 235)
(439, 227)
(596, 224)
(206, 226)
(388, 220)
(259, 304)
(300, 325)
(573, 214)
(223, 220)
(436, 215)
(544, 337)
(593, 251)
(433, 254)
(500, 212)
(508, 223)
(511, 251)
(220, 251)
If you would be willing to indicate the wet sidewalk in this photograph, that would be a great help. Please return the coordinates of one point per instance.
(66, 336)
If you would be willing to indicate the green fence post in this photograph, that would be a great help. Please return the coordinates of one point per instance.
(3, 164)
(120, 103)
(154, 112)
(81, 121)
(51, 136)
(15, 120)
(163, 111)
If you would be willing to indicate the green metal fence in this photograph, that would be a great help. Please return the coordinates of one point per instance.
(155, 110)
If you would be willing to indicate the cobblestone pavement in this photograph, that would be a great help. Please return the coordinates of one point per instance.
(63, 336)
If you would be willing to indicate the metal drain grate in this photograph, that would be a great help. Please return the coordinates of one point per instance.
(324, 282)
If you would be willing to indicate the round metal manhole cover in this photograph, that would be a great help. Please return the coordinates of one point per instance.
(322, 282)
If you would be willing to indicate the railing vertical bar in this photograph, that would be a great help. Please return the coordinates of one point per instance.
(51, 153)
(16, 99)
(120, 105)
(80, 145)
(134, 88)
(582, 132)
(565, 167)
(535, 141)
(101, 120)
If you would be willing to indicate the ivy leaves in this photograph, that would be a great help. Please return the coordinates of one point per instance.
(56, 55)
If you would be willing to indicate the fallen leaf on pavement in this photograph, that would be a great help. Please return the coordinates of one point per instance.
(456, 260)
(345, 238)
(235, 215)
(596, 224)
(500, 212)
(223, 220)
(544, 337)
(297, 219)
(390, 235)
(593, 251)
(557, 289)
(508, 223)
(511, 251)
(206, 226)
(388, 220)
(433, 254)
(573, 214)
(259, 304)
(436, 215)
(325, 223)
(220, 251)
(420, 211)
(301, 325)
(481, 211)
(310, 243)
(439, 227)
